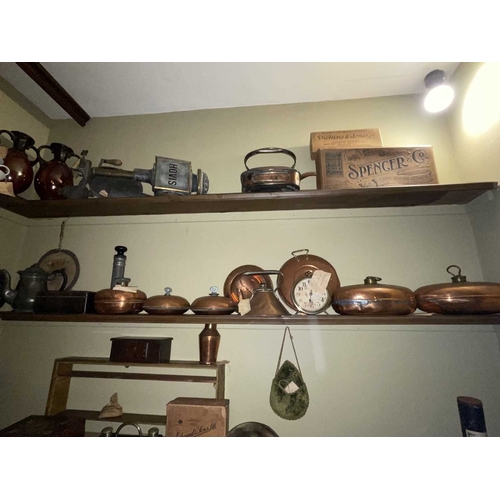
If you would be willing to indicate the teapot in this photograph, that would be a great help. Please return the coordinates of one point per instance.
(54, 175)
(31, 281)
(20, 166)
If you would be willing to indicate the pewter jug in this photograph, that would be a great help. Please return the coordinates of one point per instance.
(31, 281)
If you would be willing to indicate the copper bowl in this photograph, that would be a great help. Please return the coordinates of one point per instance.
(213, 304)
(166, 304)
(110, 301)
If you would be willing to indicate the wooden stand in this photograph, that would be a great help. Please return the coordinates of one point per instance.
(63, 372)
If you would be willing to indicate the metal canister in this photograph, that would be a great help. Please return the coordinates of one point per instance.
(209, 340)
(373, 297)
(459, 296)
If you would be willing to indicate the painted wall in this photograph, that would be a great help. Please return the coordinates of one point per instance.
(476, 156)
(363, 381)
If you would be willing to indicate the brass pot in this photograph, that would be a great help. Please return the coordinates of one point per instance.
(166, 304)
(213, 304)
(119, 301)
(459, 296)
(374, 298)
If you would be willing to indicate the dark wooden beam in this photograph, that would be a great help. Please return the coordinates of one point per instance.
(47, 82)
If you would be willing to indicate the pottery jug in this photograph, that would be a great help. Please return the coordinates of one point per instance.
(54, 175)
(31, 281)
(20, 166)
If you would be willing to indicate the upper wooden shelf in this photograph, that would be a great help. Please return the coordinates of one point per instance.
(235, 319)
(407, 196)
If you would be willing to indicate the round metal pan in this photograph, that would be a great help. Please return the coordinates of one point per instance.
(236, 284)
(297, 267)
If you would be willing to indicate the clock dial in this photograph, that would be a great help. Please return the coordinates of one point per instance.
(308, 301)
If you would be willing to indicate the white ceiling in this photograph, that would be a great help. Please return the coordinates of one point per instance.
(119, 89)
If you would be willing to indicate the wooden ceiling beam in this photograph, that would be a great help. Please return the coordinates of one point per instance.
(50, 85)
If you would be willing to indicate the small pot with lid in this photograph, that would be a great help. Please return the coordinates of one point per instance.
(213, 304)
(120, 299)
(166, 304)
(373, 297)
(459, 296)
(271, 179)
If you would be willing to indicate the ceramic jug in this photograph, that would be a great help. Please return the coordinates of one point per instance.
(54, 175)
(20, 166)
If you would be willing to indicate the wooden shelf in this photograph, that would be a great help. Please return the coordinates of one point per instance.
(138, 418)
(407, 196)
(234, 319)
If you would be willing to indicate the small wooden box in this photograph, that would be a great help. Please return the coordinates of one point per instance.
(375, 167)
(46, 426)
(197, 417)
(140, 349)
(344, 139)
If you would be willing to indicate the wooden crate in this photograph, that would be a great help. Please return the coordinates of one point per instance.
(375, 167)
(344, 139)
(197, 417)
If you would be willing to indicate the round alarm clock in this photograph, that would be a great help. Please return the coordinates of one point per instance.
(307, 300)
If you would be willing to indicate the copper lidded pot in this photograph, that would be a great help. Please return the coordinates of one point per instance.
(459, 296)
(166, 304)
(120, 300)
(213, 304)
(374, 298)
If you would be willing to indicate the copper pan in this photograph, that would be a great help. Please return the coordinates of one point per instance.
(297, 268)
(238, 283)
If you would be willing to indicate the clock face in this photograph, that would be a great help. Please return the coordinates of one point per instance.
(308, 301)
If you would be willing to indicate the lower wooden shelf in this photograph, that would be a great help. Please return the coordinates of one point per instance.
(235, 319)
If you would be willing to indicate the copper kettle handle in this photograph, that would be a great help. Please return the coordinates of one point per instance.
(265, 273)
(270, 151)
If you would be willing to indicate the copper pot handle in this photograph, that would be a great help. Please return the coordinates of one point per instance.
(270, 151)
(307, 174)
(302, 250)
(265, 273)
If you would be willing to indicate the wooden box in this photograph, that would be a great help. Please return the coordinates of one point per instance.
(140, 349)
(344, 139)
(197, 417)
(375, 167)
(46, 426)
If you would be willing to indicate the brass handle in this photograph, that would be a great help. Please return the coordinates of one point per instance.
(449, 272)
(265, 273)
(307, 174)
(297, 251)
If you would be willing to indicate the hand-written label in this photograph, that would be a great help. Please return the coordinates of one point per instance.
(244, 306)
(291, 387)
(3, 151)
(120, 288)
(7, 189)
(474, 434)
(103, 193)
(319, 281)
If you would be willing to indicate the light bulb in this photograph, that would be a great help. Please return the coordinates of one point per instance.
(439, 98)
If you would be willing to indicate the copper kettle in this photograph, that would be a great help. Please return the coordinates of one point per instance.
(459, 296)
(264, 301)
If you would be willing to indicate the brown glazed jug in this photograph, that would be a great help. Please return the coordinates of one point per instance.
(55, 174)
(21, 167)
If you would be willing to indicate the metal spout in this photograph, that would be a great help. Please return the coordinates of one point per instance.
(6, 293)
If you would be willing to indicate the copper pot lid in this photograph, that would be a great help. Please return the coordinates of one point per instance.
(167, 303)
(120, 294)
(213, 303)
(238, 286)
(298, 267)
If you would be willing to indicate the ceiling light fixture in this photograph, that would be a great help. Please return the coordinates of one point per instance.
(439, 96)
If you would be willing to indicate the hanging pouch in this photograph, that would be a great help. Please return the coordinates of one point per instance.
(289, 398)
